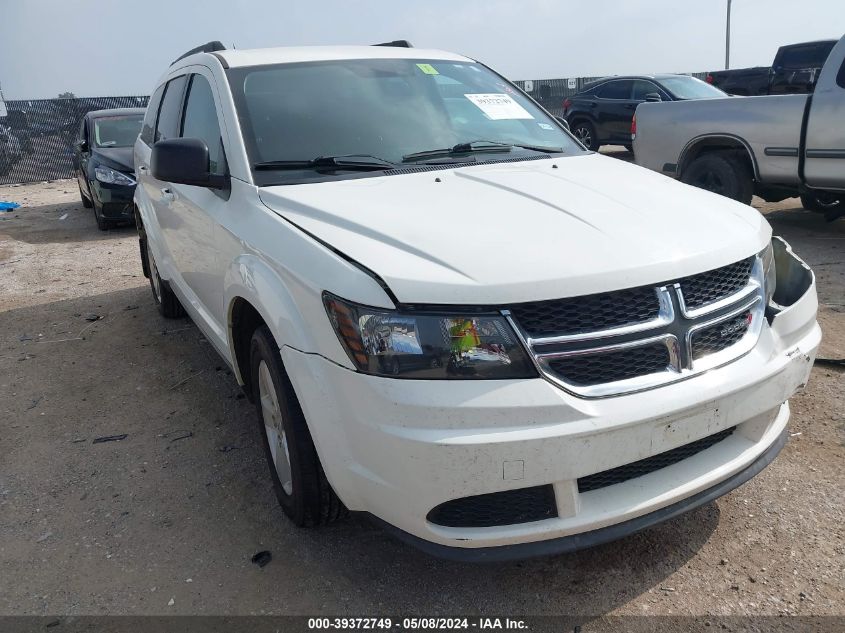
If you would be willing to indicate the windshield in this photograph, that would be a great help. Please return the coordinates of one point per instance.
(117, 131)
(691, 88)
(387, 109)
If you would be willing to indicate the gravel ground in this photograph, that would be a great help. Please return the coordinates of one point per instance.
(165, 521)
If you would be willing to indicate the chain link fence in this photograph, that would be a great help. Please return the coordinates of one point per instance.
(37, 136)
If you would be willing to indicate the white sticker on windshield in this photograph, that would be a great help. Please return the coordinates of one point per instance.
(499, 106)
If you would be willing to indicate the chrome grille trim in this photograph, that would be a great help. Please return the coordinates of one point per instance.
(674, 327)
(665, 315)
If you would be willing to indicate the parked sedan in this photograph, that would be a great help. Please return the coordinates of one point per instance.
(103, 163)
(601, 114)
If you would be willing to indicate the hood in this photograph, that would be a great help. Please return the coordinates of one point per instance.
(116, 157)
(512, 232)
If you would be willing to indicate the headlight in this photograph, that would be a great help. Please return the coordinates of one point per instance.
(428, 345)
(112, 177)
(770, 272)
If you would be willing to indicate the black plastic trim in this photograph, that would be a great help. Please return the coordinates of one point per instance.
(790, 152)
(825, 153)
(574, 542)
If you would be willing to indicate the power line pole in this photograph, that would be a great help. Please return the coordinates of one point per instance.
(728, 38)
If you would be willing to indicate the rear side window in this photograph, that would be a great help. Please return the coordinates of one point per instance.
(200, 121)
(643, 88)
(168, 114)
(615, 90)
(148, 128)
(805, 56)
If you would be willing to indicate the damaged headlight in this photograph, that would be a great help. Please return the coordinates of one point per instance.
(428, 345)
(767, 256)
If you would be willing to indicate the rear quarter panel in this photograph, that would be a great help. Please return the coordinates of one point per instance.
(665, 131)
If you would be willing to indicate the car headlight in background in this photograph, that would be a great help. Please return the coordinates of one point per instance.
(769, 272)
(112, 177)
(428, 345)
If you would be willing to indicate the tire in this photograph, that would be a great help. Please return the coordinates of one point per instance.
(102, 223)
(586, 133)
(723, 174)
(85, 201)
(166, 301)
(299, 482)
(821, 201)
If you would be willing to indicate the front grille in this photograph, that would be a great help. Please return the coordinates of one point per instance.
(583, 314)
(595, 369)
(585, 344)
(719, 336)
(649, 464)
(498, 508)
(704, 288)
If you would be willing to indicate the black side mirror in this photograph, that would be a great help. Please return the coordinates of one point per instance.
(562, 121)
(653, 97)
(82, 146)
(184, 161)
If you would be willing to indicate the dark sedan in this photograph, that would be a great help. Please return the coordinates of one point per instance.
(601, 114)
(103, 163)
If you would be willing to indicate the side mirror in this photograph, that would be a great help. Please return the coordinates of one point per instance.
(653, 97)
(562, 121)
(184, 161)
(82, 146)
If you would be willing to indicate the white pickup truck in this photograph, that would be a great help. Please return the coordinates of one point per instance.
(775, 147)
(449, 314)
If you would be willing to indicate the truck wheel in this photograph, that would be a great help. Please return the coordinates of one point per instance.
(298, 478)
(721, 174)
(165, 299)
(586, 133)
(821, 201)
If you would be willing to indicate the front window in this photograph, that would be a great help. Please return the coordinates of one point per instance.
(691, 88)
(117, 131)
(385, 109)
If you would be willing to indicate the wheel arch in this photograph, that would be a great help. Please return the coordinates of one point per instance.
(255, 295)
(707, 143)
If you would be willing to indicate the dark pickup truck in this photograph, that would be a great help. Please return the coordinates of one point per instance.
(794, 71)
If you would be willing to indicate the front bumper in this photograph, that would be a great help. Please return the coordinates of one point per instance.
(114, 201)
(399, 448)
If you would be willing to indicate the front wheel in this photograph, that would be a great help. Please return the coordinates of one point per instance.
(586, 133)
(85, 201)
(102, 223)
(300, 484)
(722, 174)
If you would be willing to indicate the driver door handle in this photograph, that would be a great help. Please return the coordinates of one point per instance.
(167, 194)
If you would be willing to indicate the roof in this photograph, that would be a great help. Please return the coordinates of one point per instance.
(655, 77)
(96, 114)
(292, 54)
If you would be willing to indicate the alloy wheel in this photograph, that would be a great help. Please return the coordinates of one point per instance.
(277, 439)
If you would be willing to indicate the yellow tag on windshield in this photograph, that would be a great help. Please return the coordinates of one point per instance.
(428, 69)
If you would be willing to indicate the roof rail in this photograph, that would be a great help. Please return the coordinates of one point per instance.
(208, 47)
(397, 44)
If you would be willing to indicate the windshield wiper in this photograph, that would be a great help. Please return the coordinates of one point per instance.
(477, 146)
(363, 162)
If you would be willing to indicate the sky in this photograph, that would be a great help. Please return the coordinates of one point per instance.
(121, 47)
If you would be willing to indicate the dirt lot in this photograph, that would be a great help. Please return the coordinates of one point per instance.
(166, 520)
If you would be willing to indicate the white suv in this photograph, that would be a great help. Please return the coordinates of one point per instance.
(449, 314)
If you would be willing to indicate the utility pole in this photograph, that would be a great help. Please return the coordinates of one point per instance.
(728, 38)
